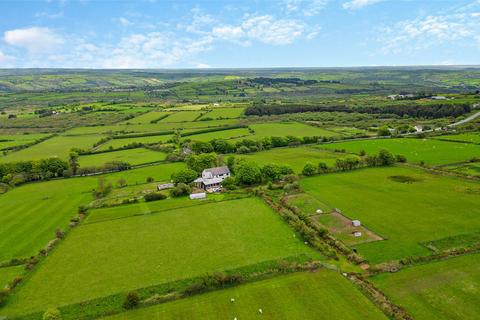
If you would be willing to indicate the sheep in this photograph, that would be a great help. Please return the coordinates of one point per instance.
(232, 300)
(260, 311)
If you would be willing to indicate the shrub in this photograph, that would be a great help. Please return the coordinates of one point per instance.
(52, 314)
(248, 173)
(184, 176)
(154, 196)
(229, 183)
(322, 167)
(385, 158)
(132, 299)
(401, 158)
(180, 190)
(150, 179)
(309, 170)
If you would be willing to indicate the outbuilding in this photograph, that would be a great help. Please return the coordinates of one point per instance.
(200, 195)
(356, 223)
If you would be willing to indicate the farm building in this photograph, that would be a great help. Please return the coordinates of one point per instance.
(200, 195)
(356, 223)
(212, 178)
(165, 186)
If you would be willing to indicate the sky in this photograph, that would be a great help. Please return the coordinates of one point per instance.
(238, 34)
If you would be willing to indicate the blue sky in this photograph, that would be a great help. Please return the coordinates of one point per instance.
(238, 34)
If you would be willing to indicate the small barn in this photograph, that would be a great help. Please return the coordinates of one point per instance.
(200, 195)
(356, 223)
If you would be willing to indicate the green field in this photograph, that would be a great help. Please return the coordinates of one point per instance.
(151, 249)
(282, 129)
(224, 113)
(469, 168)
(131, 156)
(473, 137)
(58, 146)
(9, 273)
(223, 134)
(431, 152)
(159, 172)
(447, 290)
(12, 140)
(31, 214)
(182, 116)
(147, 117)
(118, 143)
(296, 158)
(150, 127)
(406, 214)
(321, 295)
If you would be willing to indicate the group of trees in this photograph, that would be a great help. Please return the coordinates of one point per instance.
(249, 145)
(350, 162)
(431, 110)
(16, 173)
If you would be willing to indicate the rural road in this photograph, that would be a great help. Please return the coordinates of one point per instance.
(470, 118)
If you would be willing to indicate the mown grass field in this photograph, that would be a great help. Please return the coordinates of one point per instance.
(323, 294)
(282, 129)
(58, 146)
(151, 249)
(224, 113)
(472, 137)
(296, 158)
(118, 143)
(131, 156)
(403, 213)
(31, 213)
(447, 290)
(182, 116)
(430, 151)
(223, 134)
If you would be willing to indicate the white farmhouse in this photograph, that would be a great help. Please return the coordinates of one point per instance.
(212, 178)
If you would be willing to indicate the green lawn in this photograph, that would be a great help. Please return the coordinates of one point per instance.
(432, 152)
(223, 134)
(131, 156)
(321, 295)
(282, 129)
(58, 146)
(118, 143)
(224, 113)
(472, 137)
(446, 290)
(151, 249)
(404, 213)
(296, 158)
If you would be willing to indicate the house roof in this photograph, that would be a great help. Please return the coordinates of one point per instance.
(218, 170)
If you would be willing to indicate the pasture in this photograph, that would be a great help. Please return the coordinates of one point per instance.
(31, 213)
(147, 117)
(388, 207)
(296, 157)
(182, 116)
(159, 172)
(430, 151)
(131, 156)
(224, 113)
(151, 249)
(471, 137)
(294, 296)
(118, 143)
(12, 140)
(282, 129)
(223, 134)
(446, 290)
(58, 146)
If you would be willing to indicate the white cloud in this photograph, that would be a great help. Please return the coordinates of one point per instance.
(123, 21)
(306, 7)
(265, 29)
(49, 15)
(202, 66)
(421, 33)
(357, 4)
(34, 39)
